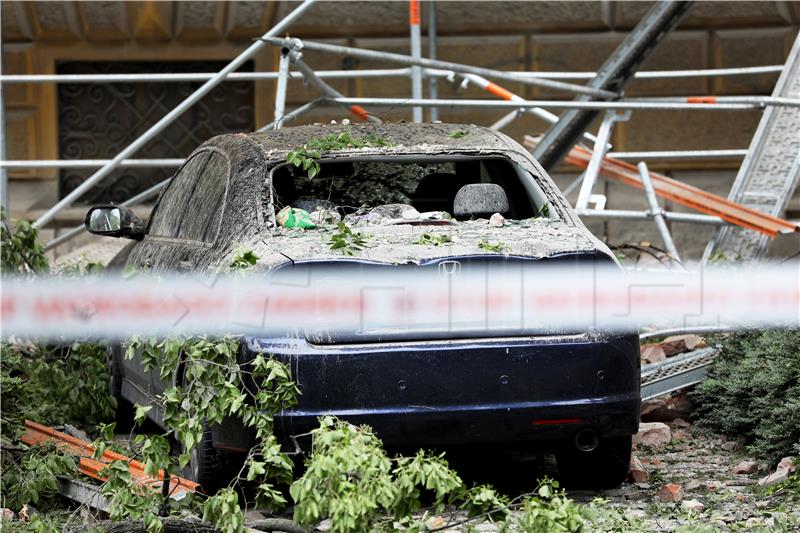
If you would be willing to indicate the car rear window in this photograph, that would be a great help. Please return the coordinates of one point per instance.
(429, 185)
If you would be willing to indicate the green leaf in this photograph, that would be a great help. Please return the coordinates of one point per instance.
(141, 413)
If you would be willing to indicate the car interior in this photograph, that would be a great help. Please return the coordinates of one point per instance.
(465, 188)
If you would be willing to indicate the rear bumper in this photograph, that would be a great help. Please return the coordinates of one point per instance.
(541, 422)
(521, 390)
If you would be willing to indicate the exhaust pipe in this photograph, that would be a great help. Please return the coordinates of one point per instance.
(587, 440)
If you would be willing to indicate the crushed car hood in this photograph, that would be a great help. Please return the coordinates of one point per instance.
(398, 243)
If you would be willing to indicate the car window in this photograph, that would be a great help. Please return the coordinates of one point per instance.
(427, 185)
(192, 205)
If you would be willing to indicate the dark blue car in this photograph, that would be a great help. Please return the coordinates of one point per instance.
(575, 393)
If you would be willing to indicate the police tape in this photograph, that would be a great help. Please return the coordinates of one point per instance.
(365, 303)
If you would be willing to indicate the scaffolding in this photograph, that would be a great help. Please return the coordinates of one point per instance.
(601, 94)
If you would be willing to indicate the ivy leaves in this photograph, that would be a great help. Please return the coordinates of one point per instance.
(307, 157)
(346, 241)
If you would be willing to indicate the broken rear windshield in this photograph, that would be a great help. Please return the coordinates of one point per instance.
(428, 184)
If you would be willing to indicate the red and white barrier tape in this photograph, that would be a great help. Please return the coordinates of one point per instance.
(480, 300)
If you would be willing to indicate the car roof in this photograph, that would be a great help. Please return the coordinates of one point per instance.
(405, 136)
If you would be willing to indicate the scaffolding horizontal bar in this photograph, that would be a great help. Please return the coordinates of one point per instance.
(90, 163)
(680, 154)
(196, 76)
(688, 330)
(646, 215)
(553, 104)
(367, 73)
(402, 59)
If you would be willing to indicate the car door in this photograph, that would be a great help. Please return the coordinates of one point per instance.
(180, 236)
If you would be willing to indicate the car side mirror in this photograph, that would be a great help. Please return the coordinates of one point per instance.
(114, 221)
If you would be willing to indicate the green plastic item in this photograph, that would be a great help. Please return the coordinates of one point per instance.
(290, 217)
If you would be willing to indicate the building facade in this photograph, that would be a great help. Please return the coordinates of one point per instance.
(95, 121)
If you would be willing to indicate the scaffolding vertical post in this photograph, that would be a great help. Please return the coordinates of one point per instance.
(657, 212)
(433, 82)
(3, 170)
(593, 169)
(414, 17)
(280, 91)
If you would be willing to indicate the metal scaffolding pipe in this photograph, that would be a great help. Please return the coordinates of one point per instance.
(593, 170)
(368, 73)
(433, 83)
(437, 64)
(656, 211)
(90, 163)
(172, 115)
(644, 215)
(328, 92)
(3, 170)
(280, 89)
(291, 115)
(552, 104)
(679, 154)
(415, 31)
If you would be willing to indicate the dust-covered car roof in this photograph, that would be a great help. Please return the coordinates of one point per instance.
(410, 137)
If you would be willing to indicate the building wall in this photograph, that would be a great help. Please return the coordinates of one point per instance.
(540, 36)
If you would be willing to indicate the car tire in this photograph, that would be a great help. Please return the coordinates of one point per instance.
(605, 467)
(124, 412)
(208, 466)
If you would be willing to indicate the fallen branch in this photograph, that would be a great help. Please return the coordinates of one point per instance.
(171, 525)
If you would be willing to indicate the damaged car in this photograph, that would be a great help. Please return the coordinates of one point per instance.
(426, 196)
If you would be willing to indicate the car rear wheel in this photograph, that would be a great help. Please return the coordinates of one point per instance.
(208, 466)
(124, 412)
(604, 467)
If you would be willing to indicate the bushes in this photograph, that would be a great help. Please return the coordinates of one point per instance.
(753, 391)
(53, 385)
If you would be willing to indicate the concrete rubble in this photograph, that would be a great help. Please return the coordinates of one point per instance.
(785, 468)
(653, 434)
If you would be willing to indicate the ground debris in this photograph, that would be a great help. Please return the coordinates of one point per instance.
(671, 492)
(653, 434)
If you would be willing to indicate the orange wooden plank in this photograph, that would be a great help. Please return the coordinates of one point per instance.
(687, 195)
(40, 434)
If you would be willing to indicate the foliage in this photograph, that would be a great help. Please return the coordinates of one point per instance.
(215, 386)
(484, 500)
(126, 499)
(456, 134)
(549, 509)
(346, 241)
(307, 157)
(31, 477)
(350, 479)
(83, 268)
(223, 511)
(243, 259)
(434, 239)
(22, 253)
(53, 385)
(490, 246)
(753, 391)
(544, 211)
